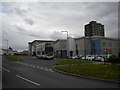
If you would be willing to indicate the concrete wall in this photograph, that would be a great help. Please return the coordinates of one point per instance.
(83, 45)
(71, 46)
(60, 45)
(110, 44)
(60, 48)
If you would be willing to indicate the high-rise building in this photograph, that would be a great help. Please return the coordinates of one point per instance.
(94, 29)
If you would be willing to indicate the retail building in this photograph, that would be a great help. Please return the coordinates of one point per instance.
(96, 45)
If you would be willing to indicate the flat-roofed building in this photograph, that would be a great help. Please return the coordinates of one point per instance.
(96, 45)
(60, 48)
(82, 46)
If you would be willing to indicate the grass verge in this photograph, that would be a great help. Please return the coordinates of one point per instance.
(62, 62)
(13, 58)
(93, 70)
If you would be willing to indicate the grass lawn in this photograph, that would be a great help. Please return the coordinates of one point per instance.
(14, 58)
(62, 62)
(94, 70)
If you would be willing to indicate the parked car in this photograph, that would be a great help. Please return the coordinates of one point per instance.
(112, 57)
(77, 57)
(106, 56)
(99, 58)
(88, 57)
(70, 57)
(83, 57)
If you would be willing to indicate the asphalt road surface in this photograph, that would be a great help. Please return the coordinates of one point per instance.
(37, 73)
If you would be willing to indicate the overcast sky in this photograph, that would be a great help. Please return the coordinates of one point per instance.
(27, 21)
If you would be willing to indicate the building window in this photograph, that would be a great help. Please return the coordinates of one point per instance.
(104, 44)
(110, 44)
(93, 44)
(116, 44)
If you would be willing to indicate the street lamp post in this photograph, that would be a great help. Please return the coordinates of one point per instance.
(85, 47)
(66, 32)
(67, 43)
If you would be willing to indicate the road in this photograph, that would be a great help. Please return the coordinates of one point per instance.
(36, 73)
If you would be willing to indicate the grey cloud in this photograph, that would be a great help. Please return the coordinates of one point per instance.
(19, 47)
(43, 17)
(20, 29)
(23, 31)
(14, 8)
(29, 21)
(102, 9)
(56, 35)
(35, 36)
(19, 11)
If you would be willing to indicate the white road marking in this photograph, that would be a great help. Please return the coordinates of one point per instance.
(34, 66)
(41, 68)
(28, 80)
(37, 66)
(31, 65)
(28, 65)
(46, 69)
(22, 63)
(51, 70)
(5, 70)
